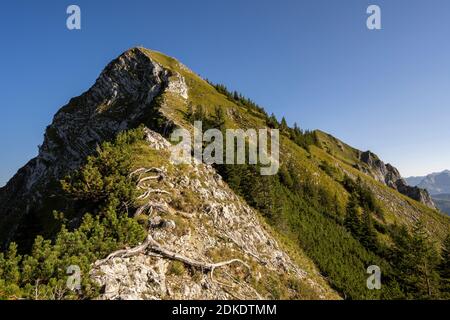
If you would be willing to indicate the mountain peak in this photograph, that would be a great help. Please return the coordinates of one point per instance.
(121, 98)
(436, 183)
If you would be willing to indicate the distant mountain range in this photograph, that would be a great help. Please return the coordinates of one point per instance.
(435, 183)
(438, 185)
(442, 201)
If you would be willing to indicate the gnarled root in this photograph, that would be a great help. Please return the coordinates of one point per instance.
(147, 193)
(155, 248)
(161, 207)
(151, 205)
(142, 171)
(140, 181)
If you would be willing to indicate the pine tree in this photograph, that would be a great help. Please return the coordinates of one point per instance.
(368, 234)
(283, 125)
(415, 259)
(285, 177)
(352, 221)
(218, 120)
(103, 182)
(9, 272)
(426, 259)
(272, 122)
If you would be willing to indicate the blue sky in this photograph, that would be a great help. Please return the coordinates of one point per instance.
(313, 61)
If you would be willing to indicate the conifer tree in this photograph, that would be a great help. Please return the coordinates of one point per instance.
(218, 120)
(272, 122)
(352, 221)
(283, 124)
(368, 235)
(426, 259)
(415, 259)
(103, 182)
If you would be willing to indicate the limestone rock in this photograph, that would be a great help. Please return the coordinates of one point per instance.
(122, 95)
(390, 176)
(221, 227)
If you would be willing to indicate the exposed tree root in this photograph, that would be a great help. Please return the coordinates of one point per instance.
(155, 248)
(147, 193)
(161, 207)
(151, 206)
(142, 171)
(149, 178)
(140, 184)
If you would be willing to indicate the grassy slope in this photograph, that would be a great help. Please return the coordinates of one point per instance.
(398, 208)
(202, 93)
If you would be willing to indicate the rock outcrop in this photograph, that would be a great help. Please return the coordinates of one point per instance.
(390, 176)
(220, 228)
(121, 98)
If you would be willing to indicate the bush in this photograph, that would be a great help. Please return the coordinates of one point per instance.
(105, 185)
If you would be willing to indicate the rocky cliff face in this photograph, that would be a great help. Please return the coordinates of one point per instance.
(390, 176)
(120, 99)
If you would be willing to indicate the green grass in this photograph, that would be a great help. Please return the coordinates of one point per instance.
(325, 166)
(337, 148)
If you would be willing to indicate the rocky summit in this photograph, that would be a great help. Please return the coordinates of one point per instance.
(438, 185)
(104, 195)
(389, 175)
(119, 99)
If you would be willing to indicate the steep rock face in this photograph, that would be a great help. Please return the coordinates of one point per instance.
(390, 176)
(120, 98)
(220, 228)
(376, 168)
(438, 186)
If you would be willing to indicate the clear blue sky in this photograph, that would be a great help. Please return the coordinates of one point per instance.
(313, 61)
